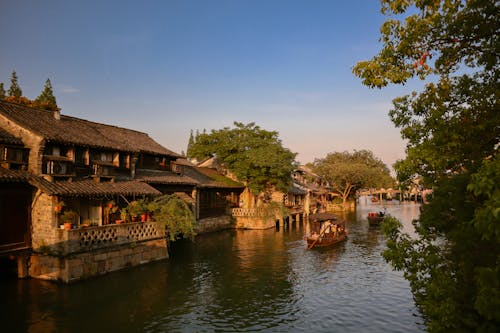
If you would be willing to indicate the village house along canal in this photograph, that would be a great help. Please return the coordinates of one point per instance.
(233, 281)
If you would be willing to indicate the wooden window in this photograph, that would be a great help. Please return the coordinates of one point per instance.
(116, 159)
(124, 160)
(106, 156)
(82, 156)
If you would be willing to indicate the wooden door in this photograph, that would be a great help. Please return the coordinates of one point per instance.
(15, 216)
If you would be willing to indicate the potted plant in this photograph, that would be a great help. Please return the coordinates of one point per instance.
(67, 218)
(137, 208)
(123, 216)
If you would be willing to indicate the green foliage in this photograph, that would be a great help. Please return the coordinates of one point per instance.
(15, 89)
(190, 144)
(137, 207)
(348, 171)
(273, 210)
(484, 186)
(255, 156)
(452, 33)
(176, 215)
(124, 214)
(452, 129)
(68, 216)
(46, 99)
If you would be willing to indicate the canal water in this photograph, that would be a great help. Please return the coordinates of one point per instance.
(234, 281)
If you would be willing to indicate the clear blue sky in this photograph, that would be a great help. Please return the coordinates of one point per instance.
(166, 67)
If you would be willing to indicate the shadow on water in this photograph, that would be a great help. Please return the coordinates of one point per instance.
(232, 281)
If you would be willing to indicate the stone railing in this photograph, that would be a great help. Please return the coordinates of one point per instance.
(248, 212)
(257, 212)
(92, 238)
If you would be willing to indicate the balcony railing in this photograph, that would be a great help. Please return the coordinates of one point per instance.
(92, 238)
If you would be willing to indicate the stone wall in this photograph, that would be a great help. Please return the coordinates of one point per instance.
(254, 222)
(32, 141)
(44, 233)
(214, 224)
(94, 263)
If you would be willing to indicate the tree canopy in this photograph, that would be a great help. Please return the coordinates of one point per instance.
(254, 155)
(15, 89)
(46, 99)
(349, 171)
(452, 129)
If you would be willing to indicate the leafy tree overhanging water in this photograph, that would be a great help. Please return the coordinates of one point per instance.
(452, 128)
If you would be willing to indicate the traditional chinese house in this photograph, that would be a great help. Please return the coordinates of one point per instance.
(51, 164)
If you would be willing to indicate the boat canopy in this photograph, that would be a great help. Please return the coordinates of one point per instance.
(322, 217)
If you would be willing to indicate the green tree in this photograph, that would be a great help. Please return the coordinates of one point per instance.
(347, 172)
(2, 91)
(176, 215)
(15, 89)
(46, 99)
(452, 129)
(190, 144)
(255, 156)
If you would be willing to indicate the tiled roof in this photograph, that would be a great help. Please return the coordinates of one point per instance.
(73, 130)
(90, 187)
(7, 175)
(6, 137)
(208, 177)
(164, 177)
(297, 189)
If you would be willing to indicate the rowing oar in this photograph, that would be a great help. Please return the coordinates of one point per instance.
(316, 240)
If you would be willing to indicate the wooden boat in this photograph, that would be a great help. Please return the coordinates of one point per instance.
(326, 230)
(375, 218)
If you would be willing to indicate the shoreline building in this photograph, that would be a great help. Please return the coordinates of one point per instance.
(52, 163)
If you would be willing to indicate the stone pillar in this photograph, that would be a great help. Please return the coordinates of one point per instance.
(22, 266)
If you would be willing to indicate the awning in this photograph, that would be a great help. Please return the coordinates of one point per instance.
(92, 188)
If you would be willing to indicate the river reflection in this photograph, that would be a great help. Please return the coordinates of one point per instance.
(233, 281)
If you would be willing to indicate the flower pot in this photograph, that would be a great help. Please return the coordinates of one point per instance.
(68, 225)
(119, 221)
(135, 219)
(144, 217)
